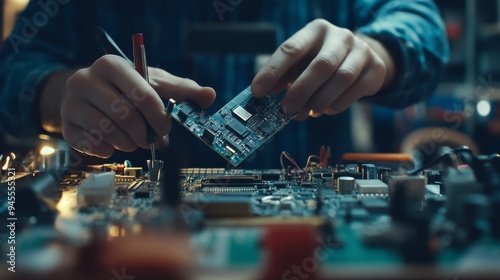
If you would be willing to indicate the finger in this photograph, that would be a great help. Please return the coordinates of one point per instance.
(133, 86)
(162, 141)
(75, 137)
(98, 127)
(179, 89)
(321, 68)
(342, 79)
(287, 80)
(364, 86)
(286, 56)
(302, 115)
(113, 104)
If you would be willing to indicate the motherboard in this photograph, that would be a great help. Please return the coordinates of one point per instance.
(357, 219)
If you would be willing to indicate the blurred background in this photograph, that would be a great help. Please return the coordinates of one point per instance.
(465, 108)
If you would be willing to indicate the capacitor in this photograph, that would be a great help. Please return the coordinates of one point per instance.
(369, 171)
(345, 184)
(344, 173)
(384, 174)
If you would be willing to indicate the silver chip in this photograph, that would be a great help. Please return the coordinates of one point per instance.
(243, 114)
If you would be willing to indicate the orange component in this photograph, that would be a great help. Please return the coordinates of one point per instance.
(373, 157)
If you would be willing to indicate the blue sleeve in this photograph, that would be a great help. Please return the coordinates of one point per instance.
(414, 34)
(28, 56)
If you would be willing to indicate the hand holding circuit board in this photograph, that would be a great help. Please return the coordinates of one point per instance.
(317, 85)
(324, 67)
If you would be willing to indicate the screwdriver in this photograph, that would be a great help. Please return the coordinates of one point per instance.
(141, 66)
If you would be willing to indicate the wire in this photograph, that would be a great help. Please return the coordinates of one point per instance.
(323, 156)
(447, 154)
(309, 161)
(287, 156)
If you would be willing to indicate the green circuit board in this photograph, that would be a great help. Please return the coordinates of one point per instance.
(239, 128)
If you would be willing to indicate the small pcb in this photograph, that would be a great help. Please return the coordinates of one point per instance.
(236, 130)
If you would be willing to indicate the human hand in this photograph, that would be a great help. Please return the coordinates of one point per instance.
(325, 68)
(107, 105)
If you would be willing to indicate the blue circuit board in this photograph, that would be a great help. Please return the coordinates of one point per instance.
(239, 128)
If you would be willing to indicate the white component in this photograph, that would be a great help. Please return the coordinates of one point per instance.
(96, 190)
(242, 113)
(133, 171)
(371, 186)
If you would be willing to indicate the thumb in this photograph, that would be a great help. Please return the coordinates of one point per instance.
(180, 89)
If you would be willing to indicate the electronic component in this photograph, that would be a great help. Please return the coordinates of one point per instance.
(220, 206)
(133, 171)
(184, 111)
(239, 128)
(155, 170)
(345, 173)
(242, 114)
(122, 189)
(124, 178)
(96, 190)
(414, 186)
(208, 136)
(345, 184)
(369, 171)
(371, 186)
(143, 193)
(393, 161)
(266, 128)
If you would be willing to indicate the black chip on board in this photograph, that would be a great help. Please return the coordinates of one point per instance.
(208, 136)
(238, 128)
(213, 127)
(203, 121)
(184, 112)
(266, 127)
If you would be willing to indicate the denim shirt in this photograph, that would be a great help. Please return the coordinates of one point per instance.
(54, 35)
